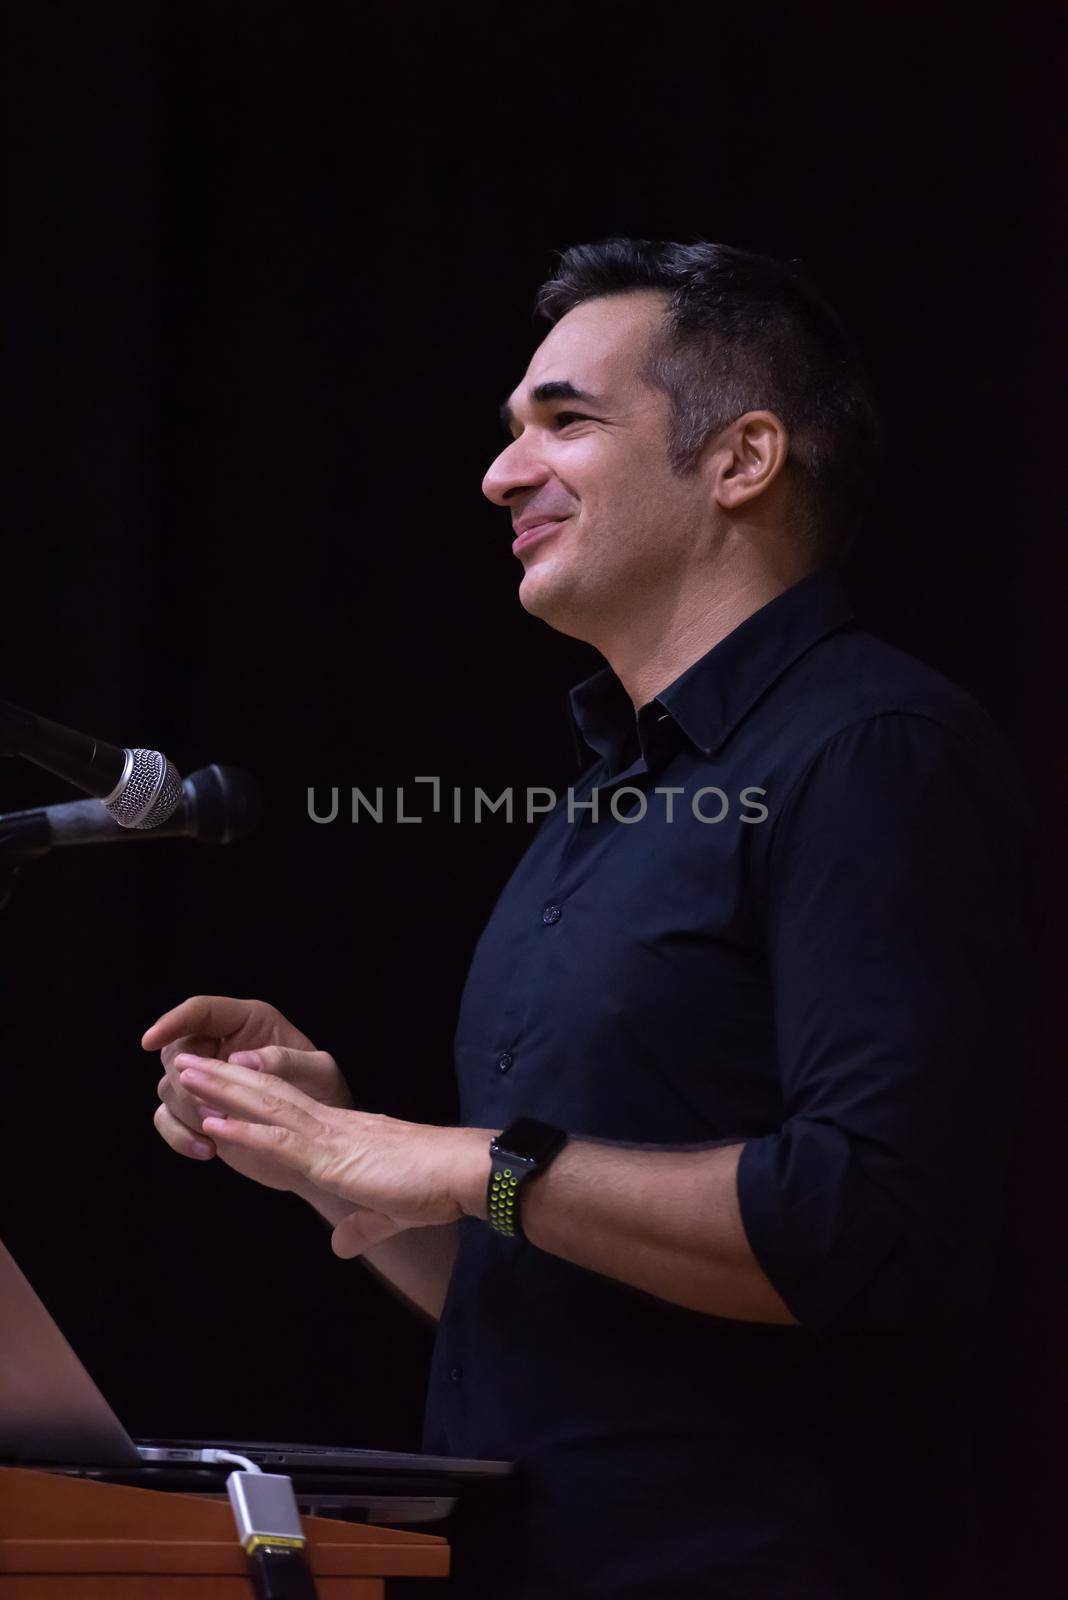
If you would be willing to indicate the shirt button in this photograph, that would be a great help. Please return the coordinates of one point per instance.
(550, 915)
(456, 1373)
(504, 1061)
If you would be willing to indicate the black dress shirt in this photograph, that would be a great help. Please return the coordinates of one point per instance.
(819, 956)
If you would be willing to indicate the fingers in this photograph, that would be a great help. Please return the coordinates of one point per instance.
(214, 1016)
(181, 1138)
(174, 1096)
(252, 1096)
(197, 1044)
(182, 1106)
(275, 1059)
(280, 1145)
(313, 1071)
(262, 1114)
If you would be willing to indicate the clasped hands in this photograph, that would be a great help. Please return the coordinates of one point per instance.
(252, 1107)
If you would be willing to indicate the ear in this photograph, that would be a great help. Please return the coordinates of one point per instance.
(748, 457)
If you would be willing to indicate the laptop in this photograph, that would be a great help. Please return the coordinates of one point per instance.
(53, 1415)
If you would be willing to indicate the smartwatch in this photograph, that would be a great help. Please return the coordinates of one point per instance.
(524, 1149)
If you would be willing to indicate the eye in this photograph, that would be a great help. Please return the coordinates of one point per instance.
(562, 418)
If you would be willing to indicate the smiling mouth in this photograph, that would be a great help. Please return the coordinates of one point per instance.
(537, 530)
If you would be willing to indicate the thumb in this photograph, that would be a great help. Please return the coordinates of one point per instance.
(362, 1230)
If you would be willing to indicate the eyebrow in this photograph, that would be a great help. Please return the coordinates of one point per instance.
(543, 393)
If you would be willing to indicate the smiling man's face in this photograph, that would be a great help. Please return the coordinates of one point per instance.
(605, 526)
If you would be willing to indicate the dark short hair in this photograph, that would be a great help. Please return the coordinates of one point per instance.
(744, 332)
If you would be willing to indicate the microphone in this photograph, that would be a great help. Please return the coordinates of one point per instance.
(215, 805)
(139, 788)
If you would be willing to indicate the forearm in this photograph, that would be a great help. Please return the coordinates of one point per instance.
(665, 1221)
(416, 1264)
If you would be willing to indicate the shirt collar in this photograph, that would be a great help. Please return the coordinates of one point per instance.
(710, 699)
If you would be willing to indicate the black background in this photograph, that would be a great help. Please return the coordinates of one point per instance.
(272, 273)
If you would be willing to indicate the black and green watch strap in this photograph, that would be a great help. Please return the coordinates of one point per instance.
(518, 1154)
(502, 1199)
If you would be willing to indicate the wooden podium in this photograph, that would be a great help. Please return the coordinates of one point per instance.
(73, 1539)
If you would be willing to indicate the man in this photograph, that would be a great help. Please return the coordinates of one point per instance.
(761, 972)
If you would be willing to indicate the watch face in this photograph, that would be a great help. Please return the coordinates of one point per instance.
(530, 1139)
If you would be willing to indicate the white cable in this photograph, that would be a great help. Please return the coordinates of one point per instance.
(228, 1455)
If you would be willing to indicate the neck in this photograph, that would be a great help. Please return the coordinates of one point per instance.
(657, 646)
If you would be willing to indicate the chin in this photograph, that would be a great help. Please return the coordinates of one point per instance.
(538, 593)
(552, 604)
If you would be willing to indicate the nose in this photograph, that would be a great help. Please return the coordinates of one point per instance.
(517, 470)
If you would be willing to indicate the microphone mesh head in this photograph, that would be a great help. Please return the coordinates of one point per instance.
(148, 793)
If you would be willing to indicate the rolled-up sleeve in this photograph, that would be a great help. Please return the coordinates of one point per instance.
(897, 942)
